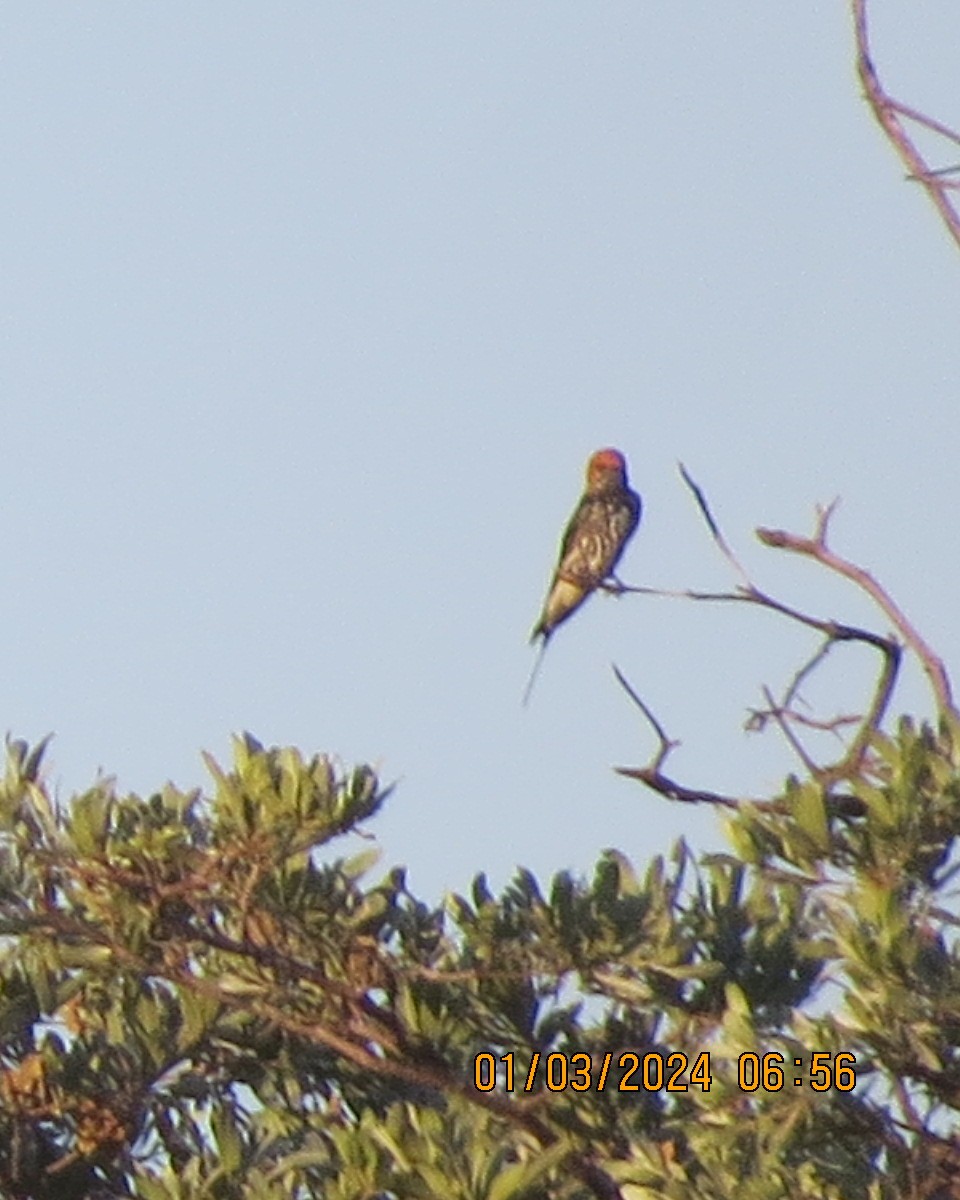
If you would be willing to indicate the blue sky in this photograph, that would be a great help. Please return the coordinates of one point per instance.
(311, 315)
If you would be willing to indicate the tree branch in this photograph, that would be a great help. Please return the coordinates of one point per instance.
(833, 631)
(888, 113)
(652, 774)
(817, 549)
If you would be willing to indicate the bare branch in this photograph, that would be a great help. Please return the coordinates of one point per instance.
(838, 804)
(652, 774)
(796, 745)
(817, 549)
(760, 716)
(851, 762)
(807, 669)
(712, 525)
(665, 744)
(888, 113)
(785, 709)
(935, 126)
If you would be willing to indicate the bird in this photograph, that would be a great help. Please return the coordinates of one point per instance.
(595, 538)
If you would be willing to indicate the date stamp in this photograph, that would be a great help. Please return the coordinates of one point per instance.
(654, 1071)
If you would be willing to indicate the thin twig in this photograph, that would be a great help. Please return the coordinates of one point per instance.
(795, 744)
(807, 669)
(714, 528)
(652, 774)
(666, 745)
(914, 114)
(760, 716)
(785, 709)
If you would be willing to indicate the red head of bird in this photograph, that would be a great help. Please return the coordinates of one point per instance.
(606, 469)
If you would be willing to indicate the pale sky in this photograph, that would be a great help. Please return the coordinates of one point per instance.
(313, 312)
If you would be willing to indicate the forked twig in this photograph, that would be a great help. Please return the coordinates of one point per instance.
(652, 774)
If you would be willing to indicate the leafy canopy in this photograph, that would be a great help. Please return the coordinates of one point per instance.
(197, 999)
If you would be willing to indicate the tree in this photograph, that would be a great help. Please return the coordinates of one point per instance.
(198, 1000)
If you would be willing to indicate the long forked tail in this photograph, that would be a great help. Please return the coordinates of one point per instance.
(538, 662)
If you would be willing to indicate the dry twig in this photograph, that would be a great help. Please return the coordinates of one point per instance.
(890, 115)
(817, 549)
(652, 774)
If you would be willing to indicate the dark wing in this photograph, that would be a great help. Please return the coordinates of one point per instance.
(596, 536)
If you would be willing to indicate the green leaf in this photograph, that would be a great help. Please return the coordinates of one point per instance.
(519, 1178)
(811, 815)
(228, 1140)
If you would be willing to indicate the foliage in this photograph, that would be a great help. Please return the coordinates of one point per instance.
(196, 1000)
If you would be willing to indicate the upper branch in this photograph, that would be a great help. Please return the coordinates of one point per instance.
(817, 549)
(888, 113)
(851, 762)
